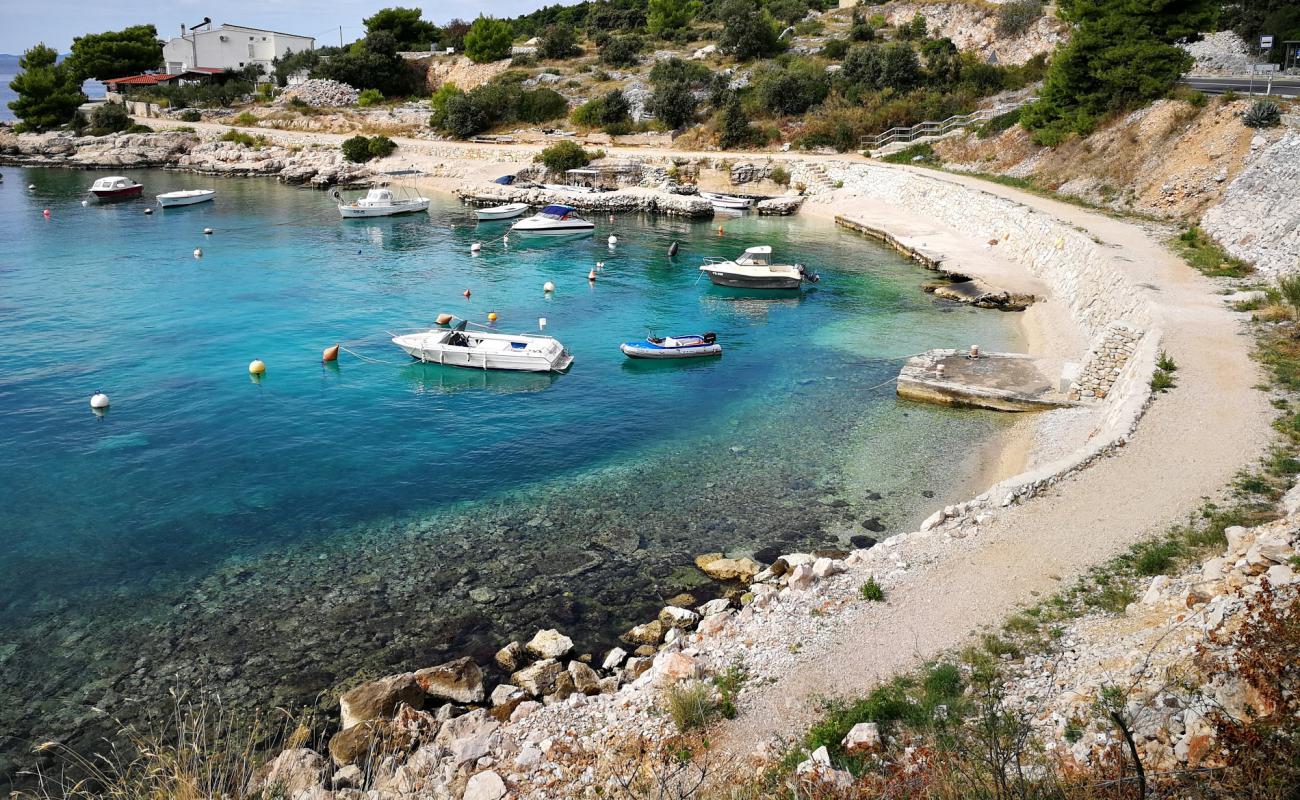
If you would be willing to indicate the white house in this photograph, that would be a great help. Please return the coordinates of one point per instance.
(230, 47)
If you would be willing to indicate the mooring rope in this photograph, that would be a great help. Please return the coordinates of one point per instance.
(370, 360)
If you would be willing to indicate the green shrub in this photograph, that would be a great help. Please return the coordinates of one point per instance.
(1166, 362)
(835, 49)
(860, 30)
(871, 590)
(611, 111)
(245, 120)
(790, 88)
(1161, 381)
(1289, 287)
(488, 39)
(190, 115)
(780, 175)
(357, 149)
(690, 705)
(109, 118)
(369, 98)
(558, 41)
(1204, 254)
(1000, 123)
(1155, 558)
(734, 129)
(671, 18)
(381, 146)
(915, 154)
(136, 127)
(1017, 16)
(541, 105)
(621, 51)
(1262, 114)
(747, 31)
(564, 155)
(244, 139)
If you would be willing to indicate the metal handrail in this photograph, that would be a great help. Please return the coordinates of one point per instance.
(934, 128)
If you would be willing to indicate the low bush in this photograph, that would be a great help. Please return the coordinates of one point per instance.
(835, 49)
(245, 120)
(1156, 558)
(915, 154)
(109, 118)
(1161, 381)
(360, 149)
(1017, 16)
(691, 705)
(780, 175)
(1206, 255)
(621, 51)
(1166, 362)
(563, 156)
(1289, 287)
(871, 590)
(244, 139)
(136, 127)
(1000, 123)
(370, 97)
(190, 115)
(1262, 114)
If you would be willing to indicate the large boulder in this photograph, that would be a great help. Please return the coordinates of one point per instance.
(720, 568)
(485, 786)
(379, 699)
(538, 679)
(549, 643)
(585, 679)
(511, 657)
(651, 633)
(290, 774)
(366, 742)
(675, 617)
(459, 681)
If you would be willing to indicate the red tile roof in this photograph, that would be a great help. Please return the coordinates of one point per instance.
(142, 80)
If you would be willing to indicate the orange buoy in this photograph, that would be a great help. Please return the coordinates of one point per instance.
(330, 354)
(443, 319)
(492, 316)
(466, 292)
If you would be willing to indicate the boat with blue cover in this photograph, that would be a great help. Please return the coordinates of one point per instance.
(688, 346)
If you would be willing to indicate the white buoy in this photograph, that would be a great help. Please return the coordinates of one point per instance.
(611, 217)
(600, 265)
(506, 238)
(99, 401)
(31, 187)
(541, 323)
(198, 252)
(548, 287)
(85, 203)
(613, 240)
(207, 231)
(148, 211)
(474, 248)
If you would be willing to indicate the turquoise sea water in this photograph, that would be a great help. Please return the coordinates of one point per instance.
(275, 537)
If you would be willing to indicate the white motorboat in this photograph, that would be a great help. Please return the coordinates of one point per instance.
(186, 197)
(116, 187)
(727, 200)
(507, 211)
(754, 270)
(380, 203)
(479, 349)
(554, 220)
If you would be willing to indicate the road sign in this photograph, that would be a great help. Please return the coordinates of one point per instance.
(1266, 43)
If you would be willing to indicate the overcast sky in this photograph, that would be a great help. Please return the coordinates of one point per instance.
(27, 22)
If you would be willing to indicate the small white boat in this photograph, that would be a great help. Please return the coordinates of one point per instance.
(187, 197)
(568, 187)
(507, 211)
(554, 220)
(457, 347)
(727, 200)
(754, 270)
(380, 203)
(689, 346)
(116, 187)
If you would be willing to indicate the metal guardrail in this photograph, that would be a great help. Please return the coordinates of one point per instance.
(923, 130)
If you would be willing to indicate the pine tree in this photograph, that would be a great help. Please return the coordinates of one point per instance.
(735, 130)
(48, 92)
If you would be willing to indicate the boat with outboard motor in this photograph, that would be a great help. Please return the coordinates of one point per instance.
(754, 269)
(691, 345)
(507, 211)
(116, 187)
(554, 219)
(379, 203)
(186, 197)
(727, 200)
(486, 349)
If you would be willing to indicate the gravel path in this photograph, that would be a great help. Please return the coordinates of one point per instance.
(1188, 446)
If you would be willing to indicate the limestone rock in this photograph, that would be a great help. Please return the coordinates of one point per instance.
(564, 688)
(614, 659)
(467, 726)
(1156, 590)
(675, 617)
(651, 633)
(585, 679)
(291, 773)
(549, 643)
(524, 709)
(459, 681)
(728, 569)
(511, 657)
(863, 737)
(714, 607)
(485, 786)
(826, 567)
(349, 777)
(379, 699)
(538, 679)
(636, 667)
(672, 668)
(365, 742)
(504, 693)
(714, 624)
(801, 578)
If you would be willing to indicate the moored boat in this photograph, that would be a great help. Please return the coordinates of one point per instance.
(480, 349)
(380, 203)
(687, 346)
(507, 211)
(554, 220)
(116, 187)
(186, 197)
(727, 200)
(754, 269)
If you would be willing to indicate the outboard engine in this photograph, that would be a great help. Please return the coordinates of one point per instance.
(710, 337)
(811, 277)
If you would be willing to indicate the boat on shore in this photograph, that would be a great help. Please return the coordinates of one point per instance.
(754, 269)
(380, 203)
(116, 187)
(187, 197)
(727, 200)
(687, 346)
(554, 220)
(483, 349)
(507, 211)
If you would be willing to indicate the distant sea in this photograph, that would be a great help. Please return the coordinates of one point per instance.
(9, 68)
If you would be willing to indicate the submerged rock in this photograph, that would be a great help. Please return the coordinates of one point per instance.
(674, 617)
(873, 524)
(720, 568)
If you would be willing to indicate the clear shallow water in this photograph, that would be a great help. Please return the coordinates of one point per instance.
(276, 537)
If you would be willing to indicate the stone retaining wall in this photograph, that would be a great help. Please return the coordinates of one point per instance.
(1106, 361)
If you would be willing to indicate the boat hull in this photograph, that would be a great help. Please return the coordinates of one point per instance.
(501, 212)
(753, 282)
(118, 194)
(430, 348)
(725, 201)
(644, 350)
(186, 200)
(565, 230)
(371, 212)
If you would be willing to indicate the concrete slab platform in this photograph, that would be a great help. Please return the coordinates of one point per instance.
(998, 381)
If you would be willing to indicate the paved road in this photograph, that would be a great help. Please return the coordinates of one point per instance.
(1285, 87)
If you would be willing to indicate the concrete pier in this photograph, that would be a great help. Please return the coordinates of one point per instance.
(998, 381)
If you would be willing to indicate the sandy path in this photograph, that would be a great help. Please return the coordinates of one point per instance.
(1188, 446)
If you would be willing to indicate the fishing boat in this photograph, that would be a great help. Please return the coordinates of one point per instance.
(380, 203)
(116, 187)
(727, 200)
(483, 349)
(186, 197)
(689, 346)
(507, 211)
(554, 220)
(754, 269)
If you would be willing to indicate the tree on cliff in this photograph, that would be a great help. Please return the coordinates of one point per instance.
(488, 40)
(1121, 54)
(406, 26)
(48, 92)
(116, 54)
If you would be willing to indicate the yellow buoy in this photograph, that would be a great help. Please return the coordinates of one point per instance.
(444, 318)
(330, 354)
(492, 316)
(256, 367)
